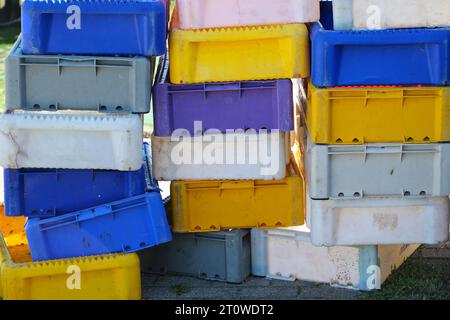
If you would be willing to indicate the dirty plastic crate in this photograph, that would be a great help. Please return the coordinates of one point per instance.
(201, 14)
(49, 192)
(106, 277)
(234, 156)
(389, 14)
(124, 226)
(97, 83)
(287, 254)
(239, 53)
(380, 57)
(222, 106)
(202, 206)
(95, 27)
(217, 256)
(373, 221)
(67, 140)
(354, 172)
(372, 115)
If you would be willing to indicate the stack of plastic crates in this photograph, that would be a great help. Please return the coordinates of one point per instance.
(78, 83)
(223, 113)
(373, 125)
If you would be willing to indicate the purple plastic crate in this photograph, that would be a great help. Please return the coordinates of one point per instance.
(224, 105)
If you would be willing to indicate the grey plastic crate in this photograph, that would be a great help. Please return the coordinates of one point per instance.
(219, 256)
(61, 82)
(405, 170)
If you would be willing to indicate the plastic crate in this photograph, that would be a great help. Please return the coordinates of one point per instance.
(287, 254)
(354, 172)
(222, 106)
(233, 156)
(239, 53)
(202, 206)
(388, 14)
(107, 277)
(372, 115)
(373, 221)
(217, 256)
(67, 140)
(2, 190)
(380, 57)
(98, 83)
(200, 14)
(123, 226)
(98, 27)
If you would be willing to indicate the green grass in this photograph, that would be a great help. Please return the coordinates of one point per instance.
(417, 279)
(8, 36)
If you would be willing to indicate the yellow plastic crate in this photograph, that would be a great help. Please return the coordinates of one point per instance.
(203, 206)
(239, 53)
(100, 277)
(378, 114)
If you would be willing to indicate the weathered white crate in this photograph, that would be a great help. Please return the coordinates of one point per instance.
(373, 221)
(188, 158)
(68, 140)
(353, 172)
(387, 14)
(288, 254)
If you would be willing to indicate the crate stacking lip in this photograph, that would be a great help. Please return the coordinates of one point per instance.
(380, 57)
(96, 83)
(68, 140)
(372, 115)
(106, 277)
(239, 53)
(215, 256)
(355, 14)
(201, 14)
(287, 254)
(95, 27)
(202, 206)
(371, 170)
(222, 106)
(123, 226)
(232, 156)
(373, 221)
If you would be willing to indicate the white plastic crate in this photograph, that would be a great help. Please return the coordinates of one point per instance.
(236, 156)
(374, 221)
(200, 14)
(287, 254)
(353, 172)
(386, 14)
(68, 140)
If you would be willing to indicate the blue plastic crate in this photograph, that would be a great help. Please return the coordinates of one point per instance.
(50, 192)
(380, 57)
(95, 27)
(124, 226)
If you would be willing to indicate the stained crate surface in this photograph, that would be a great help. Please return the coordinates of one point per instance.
(222, 106)
(50, 192)
(123, 226)
(234, 156)
(287, 254)
(67, 140)
(239, 53)
(107, 277)
(357, 14)
(200, 14)
(217, 256)
(380, 57)
(369, 115)
(201, 206)
(398, 170)
(136, 27)
(372, 221)
(99, 83)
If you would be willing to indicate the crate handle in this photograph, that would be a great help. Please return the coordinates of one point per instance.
(229, 185)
